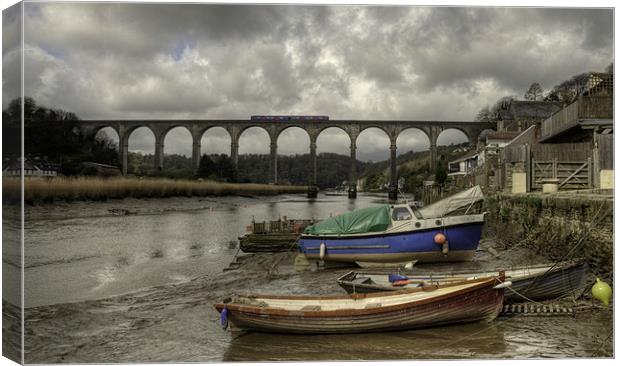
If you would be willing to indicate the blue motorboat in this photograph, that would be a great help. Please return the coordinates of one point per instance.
(398, 233)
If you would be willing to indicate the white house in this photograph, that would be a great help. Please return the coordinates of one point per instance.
(463, 165)
(30, 170)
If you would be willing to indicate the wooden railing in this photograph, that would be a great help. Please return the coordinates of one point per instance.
(586, 107)
(596, 107)
(515, 154)
(561, 120)
(279, 226)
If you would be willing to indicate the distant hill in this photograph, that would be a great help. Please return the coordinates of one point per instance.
(332, 169)
(413, 166)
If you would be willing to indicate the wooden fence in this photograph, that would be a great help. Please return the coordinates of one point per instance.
(434, 193)
(586, 107)
(572, 164)
(561, 120)
(606, 151)
(570, 174)
(515, 158)
(596, 107)
(575, 151)
(279, 226)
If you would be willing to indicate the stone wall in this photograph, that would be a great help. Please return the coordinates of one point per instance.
(559, 227)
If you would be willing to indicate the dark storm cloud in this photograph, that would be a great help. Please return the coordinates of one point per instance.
(11, 28)
(123, 60)
(11, 53)
(456, 46)
(595, 24)
(140, 30)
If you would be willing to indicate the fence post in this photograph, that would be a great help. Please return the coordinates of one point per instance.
(555, 168)
(590, 173)
(528, 168)
(595, 174)
(505, 177)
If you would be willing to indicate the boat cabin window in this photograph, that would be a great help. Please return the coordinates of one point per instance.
(416, 212)
(401, 213)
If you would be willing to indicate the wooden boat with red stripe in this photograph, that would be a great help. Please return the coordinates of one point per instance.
(435, 305)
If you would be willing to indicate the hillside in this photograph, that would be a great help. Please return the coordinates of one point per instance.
(413, 166)
(332, 169)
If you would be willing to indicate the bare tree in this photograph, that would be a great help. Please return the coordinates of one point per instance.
(535, 92)
(567, 91)
(485, 115)
(502, 103)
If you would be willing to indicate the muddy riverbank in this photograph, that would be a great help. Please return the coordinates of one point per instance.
(140, 287)
(559, 226)
(177, 323)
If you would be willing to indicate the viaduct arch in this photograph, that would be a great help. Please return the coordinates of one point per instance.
(313, 128)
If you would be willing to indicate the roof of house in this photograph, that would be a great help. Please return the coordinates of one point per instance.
(505, 115)
(529, 109)
(465, 157)
(534, 109)
(12, 166)
(29, 165)
(484, 133)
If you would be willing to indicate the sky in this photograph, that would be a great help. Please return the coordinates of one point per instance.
(197, 61)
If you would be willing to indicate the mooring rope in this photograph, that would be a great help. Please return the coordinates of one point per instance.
(520, 294)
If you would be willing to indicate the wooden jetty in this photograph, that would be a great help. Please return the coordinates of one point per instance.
(273, 236)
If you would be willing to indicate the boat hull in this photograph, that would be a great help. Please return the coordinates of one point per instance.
(478, 303)
(396, 247)
(557, 282)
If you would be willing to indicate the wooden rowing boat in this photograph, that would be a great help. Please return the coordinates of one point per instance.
(465, 301)
(538, 282)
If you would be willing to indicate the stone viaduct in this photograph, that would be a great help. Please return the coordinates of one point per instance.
(313, 128)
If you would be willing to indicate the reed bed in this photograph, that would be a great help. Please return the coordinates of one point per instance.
(98, 189)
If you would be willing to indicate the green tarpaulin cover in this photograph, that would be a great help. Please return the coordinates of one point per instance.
(371, 219)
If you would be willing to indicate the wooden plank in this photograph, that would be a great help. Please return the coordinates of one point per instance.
(528, 168)
(574, 173)
(606, 151)
(578, 151)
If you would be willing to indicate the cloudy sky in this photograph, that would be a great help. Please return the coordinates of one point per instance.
(125, 61)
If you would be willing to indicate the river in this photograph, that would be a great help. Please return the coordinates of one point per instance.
(133, 281)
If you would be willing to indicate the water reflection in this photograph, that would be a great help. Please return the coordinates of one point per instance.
(478, 340)
(77, 247)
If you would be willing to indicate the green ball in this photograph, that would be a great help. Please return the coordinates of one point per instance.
(601, 291)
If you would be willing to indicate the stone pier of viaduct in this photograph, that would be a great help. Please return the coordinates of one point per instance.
(313, 128)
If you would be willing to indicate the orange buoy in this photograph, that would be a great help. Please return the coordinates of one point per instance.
(439, 239)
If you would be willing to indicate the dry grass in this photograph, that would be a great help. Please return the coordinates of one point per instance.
(87, 188)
